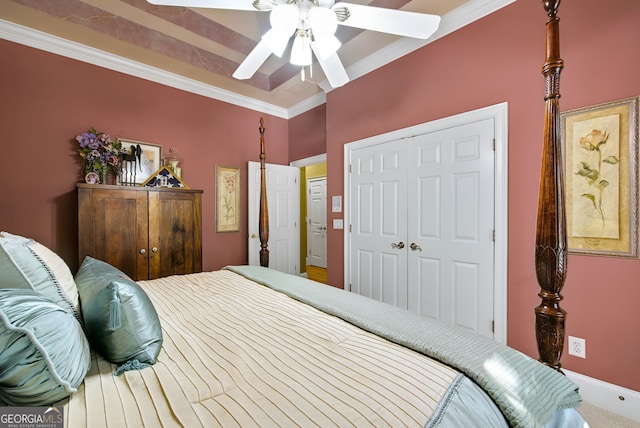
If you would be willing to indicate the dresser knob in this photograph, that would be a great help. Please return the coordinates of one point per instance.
(154, 249)
(143, 251)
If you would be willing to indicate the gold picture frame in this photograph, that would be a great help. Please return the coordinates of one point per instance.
(150, 160)
(165, 177)
(227, 199)
(600, 145)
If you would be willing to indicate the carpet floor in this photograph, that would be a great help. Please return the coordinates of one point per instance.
(601, 418)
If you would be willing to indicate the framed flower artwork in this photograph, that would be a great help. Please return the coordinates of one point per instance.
(227, 199)
(601, 178)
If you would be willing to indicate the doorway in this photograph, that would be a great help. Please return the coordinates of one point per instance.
(314, 170)
(316, 220)
(283, 198)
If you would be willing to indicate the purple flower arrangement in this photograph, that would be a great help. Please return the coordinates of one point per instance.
(99, 152)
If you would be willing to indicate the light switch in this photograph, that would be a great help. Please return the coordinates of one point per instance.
(337, 223)
(336, 204)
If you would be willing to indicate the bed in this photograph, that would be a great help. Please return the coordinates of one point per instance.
(251, 346)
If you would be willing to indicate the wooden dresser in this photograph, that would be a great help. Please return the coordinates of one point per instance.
(146, 232)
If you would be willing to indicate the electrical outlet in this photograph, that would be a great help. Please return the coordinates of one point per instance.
(577, 347)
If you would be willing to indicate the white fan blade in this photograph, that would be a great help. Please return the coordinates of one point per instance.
(392, 21)
(333, 69)
(210, 4)
(253, 61)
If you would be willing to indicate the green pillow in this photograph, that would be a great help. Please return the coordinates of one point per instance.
(27, 264)
(44, 354)
(120, 319)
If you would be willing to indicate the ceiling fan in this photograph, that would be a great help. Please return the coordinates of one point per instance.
(313, 23)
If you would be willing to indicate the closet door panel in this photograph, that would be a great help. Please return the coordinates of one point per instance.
(451, 224)
(379, 204)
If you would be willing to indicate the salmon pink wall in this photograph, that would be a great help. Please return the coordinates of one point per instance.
(48, 99)
(494, 60)
(308, 134)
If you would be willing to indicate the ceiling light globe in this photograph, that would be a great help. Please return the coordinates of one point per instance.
(301, 50)
(323, 21)
(284, 17)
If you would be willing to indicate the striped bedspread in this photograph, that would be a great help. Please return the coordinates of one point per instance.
(236, 353)
(528, 393)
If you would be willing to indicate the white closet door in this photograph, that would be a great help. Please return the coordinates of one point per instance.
(451, 212)
(378, 207)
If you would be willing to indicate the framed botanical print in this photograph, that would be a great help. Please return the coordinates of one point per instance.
(227, 199)
(601, 178)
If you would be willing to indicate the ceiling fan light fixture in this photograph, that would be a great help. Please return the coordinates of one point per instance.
(324, 23)
(323, 20)
(284, 16)
(313, 24)
(301, 49)
(284, 19)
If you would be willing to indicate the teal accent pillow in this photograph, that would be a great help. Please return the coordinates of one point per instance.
(27, 264)
(121, 322)
(44, 354)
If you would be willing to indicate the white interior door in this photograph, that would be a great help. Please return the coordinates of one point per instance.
(422, 221)
(283, 200)
(378, 207)
(451, 218)
(317, 222)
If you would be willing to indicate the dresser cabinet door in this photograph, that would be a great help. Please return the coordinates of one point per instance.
(113, 227)
(175, 233)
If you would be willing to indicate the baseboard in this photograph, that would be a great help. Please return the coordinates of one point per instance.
(616, 399)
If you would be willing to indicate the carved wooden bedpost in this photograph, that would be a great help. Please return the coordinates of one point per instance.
(263, 222)
(551, 237)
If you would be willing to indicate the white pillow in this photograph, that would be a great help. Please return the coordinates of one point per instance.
(27, 264)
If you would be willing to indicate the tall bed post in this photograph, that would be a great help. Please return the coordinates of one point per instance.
(551, 237)
(263, 222)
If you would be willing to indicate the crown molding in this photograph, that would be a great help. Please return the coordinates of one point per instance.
(57, 45)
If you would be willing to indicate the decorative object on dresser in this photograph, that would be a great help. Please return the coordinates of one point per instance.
(130, 162)
(601, 151)
(173, 162)
(101, 156)
(146, 232)
(92, 178)
(142, 160)
(165, 177)
(227, 199)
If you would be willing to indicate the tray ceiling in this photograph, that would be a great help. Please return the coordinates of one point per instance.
(202, 47)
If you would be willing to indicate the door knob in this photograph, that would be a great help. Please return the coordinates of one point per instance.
(399, 245)
(415, 247)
